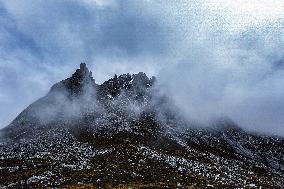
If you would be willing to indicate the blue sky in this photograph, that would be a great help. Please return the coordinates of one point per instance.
(228, 54)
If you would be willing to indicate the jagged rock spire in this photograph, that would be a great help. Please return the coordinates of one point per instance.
(82, 74)
(83, 66)
(82, 77)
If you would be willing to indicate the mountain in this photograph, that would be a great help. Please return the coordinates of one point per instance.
(124, 133)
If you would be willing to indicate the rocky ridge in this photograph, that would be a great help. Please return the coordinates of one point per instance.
(118, 134)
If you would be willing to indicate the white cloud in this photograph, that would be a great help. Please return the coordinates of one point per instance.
(215, 57)
(100, 2)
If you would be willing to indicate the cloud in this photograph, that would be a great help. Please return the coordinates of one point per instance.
(43, 42)
(235, 76)
(209, 58)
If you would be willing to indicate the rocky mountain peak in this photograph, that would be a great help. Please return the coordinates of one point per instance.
(82, 74)
(80, 79)
(83, 66)
(135, 85)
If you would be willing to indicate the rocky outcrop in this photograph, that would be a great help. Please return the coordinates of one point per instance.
(76, 84)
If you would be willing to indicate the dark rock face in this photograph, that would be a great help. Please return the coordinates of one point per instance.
(82, 134)
(135, 86)
(76, 83)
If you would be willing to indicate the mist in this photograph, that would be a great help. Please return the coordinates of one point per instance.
(211, 58)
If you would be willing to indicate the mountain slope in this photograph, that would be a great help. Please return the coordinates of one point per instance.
(120, 134)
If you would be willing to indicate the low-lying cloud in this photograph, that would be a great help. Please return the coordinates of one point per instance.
(210, 59)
